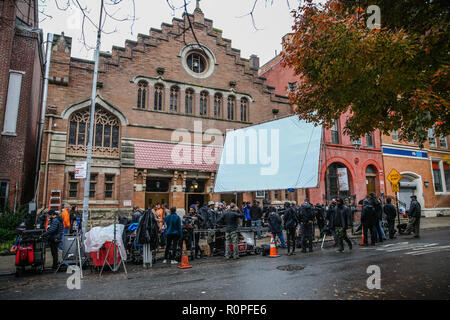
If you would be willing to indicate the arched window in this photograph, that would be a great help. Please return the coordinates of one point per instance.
(337, 181)
(244, 107)
(189, 98)
(142, 94)
(106, 133)
(217, 105)
(204, 103)
(230, 107)
(174, 99)
(158, 102)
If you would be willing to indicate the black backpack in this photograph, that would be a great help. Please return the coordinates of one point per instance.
(307, 213)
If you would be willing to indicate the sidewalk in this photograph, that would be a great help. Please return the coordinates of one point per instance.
(7, 262)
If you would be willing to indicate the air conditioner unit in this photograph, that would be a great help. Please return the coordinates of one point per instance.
(357, 142)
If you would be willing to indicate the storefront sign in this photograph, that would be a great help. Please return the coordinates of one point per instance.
(127, 203)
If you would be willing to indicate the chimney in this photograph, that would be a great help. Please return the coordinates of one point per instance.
(254, 62)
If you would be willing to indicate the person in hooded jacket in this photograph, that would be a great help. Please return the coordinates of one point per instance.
(291, 221)
(368, 221)
(275, 226)
(378, 214)
(307, 216)
(391, 213)
(54, 235)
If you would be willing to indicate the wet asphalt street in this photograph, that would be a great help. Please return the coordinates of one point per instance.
(410, 269)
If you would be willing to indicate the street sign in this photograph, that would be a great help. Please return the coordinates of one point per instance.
(395, 187)
(80, 170)
(394, 176)
(446, 159)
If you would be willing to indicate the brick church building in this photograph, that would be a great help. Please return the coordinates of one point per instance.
(149, 93)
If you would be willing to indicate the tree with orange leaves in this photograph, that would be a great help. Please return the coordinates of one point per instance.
(394, 78)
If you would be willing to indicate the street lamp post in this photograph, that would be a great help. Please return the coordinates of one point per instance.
(87, 181)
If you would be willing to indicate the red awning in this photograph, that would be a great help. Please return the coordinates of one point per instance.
(160, 155)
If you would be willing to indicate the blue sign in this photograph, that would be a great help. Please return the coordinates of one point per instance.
(406, 153)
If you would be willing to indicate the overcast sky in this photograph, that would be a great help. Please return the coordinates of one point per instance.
(274, 20)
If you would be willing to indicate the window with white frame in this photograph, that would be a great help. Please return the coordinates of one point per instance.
(441, 176)
(335, 132)
(443, 142)
(369, 140)
(12, 103)
(394, 135)
(260, 194)
(432, 138)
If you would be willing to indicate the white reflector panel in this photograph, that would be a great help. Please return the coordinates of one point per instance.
(275, 155)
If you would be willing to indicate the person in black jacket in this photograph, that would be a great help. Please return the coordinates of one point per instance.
(231, 219)
(390, 212)
(319, 213)
(340, 220)
(54, 235)
(378, 212)
(414, 214)
(291, 221)
(330, 211)
(368, 221)
(275, 227)
(256, 215)
(307, 216)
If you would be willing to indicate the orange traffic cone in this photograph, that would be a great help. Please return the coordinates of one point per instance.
(273, 248)
(184, 258)
(362, 235)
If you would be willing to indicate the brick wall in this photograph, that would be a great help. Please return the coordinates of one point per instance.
(19, 50)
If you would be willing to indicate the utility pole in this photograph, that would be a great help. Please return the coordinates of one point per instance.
(87, 182)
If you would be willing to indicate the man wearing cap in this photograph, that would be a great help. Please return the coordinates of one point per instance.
(414, 214)
(340, 219)
(54, 235)
(211, 220)
(230, 219)
(256, 215)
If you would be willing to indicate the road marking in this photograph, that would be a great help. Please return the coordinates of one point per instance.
(414, 248)
(429, 250)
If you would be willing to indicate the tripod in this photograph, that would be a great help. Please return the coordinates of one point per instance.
(115, 266)
(67, 254)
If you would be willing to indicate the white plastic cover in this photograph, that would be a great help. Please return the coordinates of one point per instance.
(279, 154)
(248, 236)
(97, 236)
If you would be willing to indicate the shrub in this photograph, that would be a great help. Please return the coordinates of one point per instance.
(9, 221)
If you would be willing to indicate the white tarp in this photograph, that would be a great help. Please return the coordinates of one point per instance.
(97, 236)
(279, 154)
(249, 238)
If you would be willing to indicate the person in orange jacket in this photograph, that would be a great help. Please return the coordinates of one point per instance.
(65, 215)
